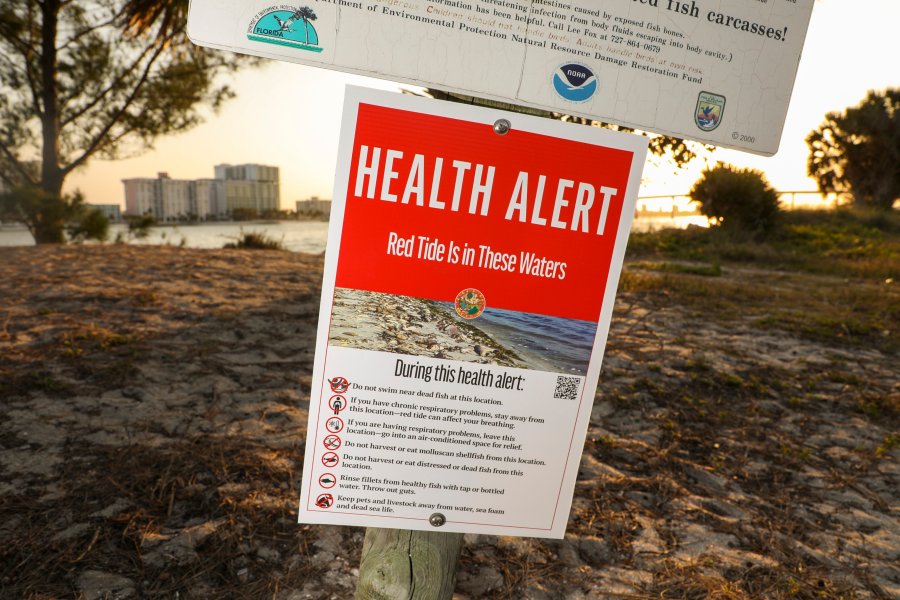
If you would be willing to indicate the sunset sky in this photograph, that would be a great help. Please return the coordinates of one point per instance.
(289, 115)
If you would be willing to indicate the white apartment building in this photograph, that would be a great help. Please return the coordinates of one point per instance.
(175, 198)
(141, 198)
(250, 187)
(204, 202)
(314, 206)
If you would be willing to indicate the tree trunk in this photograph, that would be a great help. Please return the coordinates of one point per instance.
(408, 565)
(48, 226)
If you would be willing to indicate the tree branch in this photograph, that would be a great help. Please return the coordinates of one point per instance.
(87, 31)
(19, 167)
(97, 141)
(102, 95)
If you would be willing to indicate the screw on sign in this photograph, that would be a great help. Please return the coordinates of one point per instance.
(337, 403)
(339, 385)
(334, 424)
(330, 459)
(332, 442)
(324, 501)
(327, 480)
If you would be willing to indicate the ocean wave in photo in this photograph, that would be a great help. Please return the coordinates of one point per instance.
(419, 327)
(542, 342)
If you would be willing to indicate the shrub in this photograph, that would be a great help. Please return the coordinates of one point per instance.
(255, 241)
(90, 225)
(739, 200)
(139, 226)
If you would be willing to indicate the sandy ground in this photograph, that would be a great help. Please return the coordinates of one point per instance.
(152, 419)
(382, 322)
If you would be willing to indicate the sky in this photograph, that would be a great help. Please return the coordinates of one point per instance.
(289, 116)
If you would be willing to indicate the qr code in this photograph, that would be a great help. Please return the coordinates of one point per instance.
(566, 388)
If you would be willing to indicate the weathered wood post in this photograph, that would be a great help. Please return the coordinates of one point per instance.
(408, 565)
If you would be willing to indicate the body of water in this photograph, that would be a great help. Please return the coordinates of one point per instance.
(297, 236)
(544, 343)
(548, 343)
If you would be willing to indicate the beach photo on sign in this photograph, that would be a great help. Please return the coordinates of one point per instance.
(419, 327)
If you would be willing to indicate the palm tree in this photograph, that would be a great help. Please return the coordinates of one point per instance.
(142, 15)
(307, 14)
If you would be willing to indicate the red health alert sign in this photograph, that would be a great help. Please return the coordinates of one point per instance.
(522, 217)
(472, 262)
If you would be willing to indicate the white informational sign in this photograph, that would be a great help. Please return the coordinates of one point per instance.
(718, 71)
(469, 282)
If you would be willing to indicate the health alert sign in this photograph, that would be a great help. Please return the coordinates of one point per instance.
(471, 269)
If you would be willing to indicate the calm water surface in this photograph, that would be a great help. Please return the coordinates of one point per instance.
(544, 343)
(298, 236)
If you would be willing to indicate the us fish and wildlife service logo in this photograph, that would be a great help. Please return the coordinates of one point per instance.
(469, 303)
(575, 82)
(286, 26)
(710, 109)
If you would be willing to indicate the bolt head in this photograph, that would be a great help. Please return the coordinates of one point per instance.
(502, 127)
(437, 520)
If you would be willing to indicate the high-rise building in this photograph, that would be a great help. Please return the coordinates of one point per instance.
(175, 198)
(249, 187)
(253, 188)
(167, 199)
(141, 197)
(203, 201)
(314, 206)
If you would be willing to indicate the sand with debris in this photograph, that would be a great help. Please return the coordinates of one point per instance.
(152, 420)
(404, 325)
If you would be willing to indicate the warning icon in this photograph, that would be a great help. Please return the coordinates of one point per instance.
(339, 385)
(327, 480)
(337, 404)
(330, 459)
(332, 442)
(324, 501)
(334, 424)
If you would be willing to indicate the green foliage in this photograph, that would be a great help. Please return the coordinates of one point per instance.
(244, 214)
(120, 75)
(91, 225)
(700, 269)
(255, 241)
(844, 243)
(739, 200)
(139, 227)
(858, 151)
(46, 215)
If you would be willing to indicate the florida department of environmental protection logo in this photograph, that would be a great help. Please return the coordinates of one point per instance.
(575, 82)
(709, 112)
(286, 26)
(469, 303)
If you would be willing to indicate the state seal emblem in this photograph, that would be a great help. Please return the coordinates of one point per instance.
(709, 112)
(286, 26)
(469, 303)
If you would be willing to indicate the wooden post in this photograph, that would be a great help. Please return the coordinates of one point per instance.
(408, 565)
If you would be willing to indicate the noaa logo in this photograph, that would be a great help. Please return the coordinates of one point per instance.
(709, 112)
(575, 82)
(286, 26)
